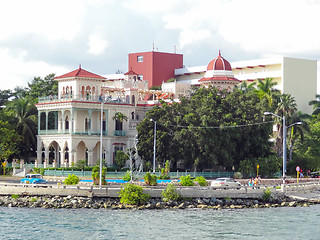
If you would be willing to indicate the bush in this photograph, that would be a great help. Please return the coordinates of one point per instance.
(266, 194)
(15, 196)
(170, 193)
(71, 180)
(42, 171)
(150, 179)
(133, 195)
(96, 175)
(201, 180)
(237, 175)
(186, 181)
(127, 176)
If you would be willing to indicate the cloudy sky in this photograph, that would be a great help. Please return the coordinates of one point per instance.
(40, 37)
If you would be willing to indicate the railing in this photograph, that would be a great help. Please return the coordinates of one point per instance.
(119, 133)
(75, 132)
(82, 99)
(121, 174)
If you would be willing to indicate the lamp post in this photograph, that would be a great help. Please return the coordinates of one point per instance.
(101, 133)
(154, 145)
(284, 142)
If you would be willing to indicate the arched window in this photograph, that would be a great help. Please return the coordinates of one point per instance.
(133, 101)
(67, 123)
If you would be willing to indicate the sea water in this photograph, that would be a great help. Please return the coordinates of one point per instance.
(268, 223)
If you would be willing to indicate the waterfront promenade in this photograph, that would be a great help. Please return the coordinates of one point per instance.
(305, 190)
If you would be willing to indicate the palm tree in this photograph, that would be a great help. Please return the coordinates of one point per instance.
(287, 107)
(119, 117)
(245, 87)
(265, 89)
(316, 105)
(297, 131)
(24, 115)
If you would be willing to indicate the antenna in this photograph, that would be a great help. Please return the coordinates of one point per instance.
(175, 49)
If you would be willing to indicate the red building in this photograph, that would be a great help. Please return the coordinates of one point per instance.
(155, 67)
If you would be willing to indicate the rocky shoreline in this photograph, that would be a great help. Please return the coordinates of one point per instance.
(72, 202)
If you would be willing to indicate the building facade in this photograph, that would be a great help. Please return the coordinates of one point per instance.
(87, 107)
(294, 76)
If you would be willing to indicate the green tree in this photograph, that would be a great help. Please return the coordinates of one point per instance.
(9, 141)
(206, 127)
(316, 105)
(119, 118)
(265, 89)
(121, 158)
(43, 87)
(24, 118)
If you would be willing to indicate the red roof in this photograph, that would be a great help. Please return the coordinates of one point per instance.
(219, 78)
(131, 73)
(80, 73)
(219, 63)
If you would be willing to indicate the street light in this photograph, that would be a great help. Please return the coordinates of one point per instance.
(101, 133)
(284, 142)
(154, 144)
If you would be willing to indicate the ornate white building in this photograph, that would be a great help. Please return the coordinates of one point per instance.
(70, 124)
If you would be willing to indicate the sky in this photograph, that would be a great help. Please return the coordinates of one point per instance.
(40, 37)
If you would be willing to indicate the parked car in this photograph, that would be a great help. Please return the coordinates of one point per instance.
(34, 179)
(225, 183)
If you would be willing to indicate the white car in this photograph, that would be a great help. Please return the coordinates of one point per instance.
(225, 183)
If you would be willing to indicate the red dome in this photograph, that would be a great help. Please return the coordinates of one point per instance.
(219, 63)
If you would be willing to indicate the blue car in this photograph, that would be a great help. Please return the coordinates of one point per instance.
(33, 179)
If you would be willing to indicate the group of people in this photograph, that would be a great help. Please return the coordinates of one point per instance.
(255, 181)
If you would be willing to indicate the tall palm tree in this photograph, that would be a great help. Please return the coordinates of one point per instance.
(265, 89)
(24, 114)
(245, 87)
(316, 105)
(286, 107)
(297, 131)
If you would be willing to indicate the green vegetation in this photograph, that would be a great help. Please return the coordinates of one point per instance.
(150, 179)
(15, 196)
(133, 195)
(266, 195)
(127, 176)
(186, 181)
(121, 158)
(170, 193)
(201, 181)
(71, 180)
(96, 175)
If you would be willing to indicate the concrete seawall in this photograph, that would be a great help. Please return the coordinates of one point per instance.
(300, 190)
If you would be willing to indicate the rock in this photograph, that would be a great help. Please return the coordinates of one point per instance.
(292, 204)
(182, 205)
(213, 200)
(202, 206)
(159, 205)
(283, 204)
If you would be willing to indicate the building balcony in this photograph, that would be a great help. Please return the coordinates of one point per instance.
(119, 133)
(68, 131)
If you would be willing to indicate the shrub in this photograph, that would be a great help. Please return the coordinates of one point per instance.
(201, 180)
(71, 180)
(96, 175)
(133, 195)
(266, 194)
(15, 196)
(42, 171)
(238, 175)
(150, 179)
(186, 181)
(127, 176)
(170, 193)
(164, 174)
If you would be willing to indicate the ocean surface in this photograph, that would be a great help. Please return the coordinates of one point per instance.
(272, 223)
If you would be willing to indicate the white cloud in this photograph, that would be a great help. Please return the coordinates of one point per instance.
(97, 45)
(18, 71)
(57, 19)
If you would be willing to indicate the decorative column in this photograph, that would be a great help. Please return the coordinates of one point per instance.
(47, 116)
(90, 121)
(39, 117)
(90, 158)
(72, 120)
